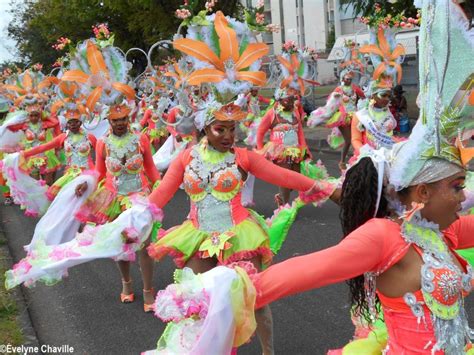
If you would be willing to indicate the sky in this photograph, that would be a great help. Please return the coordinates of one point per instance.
(6, 44)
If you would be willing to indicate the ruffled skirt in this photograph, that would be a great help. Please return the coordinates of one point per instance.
(339, 119)
(70, 174)
(243, 241)
(281, 154)
(104, 206)
(44, 164)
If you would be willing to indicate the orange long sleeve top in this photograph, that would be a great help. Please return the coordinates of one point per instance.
(267, 122)
(374, 247)
(249, 161)
(56, 143)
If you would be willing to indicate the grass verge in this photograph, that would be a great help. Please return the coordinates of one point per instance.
(10, 331)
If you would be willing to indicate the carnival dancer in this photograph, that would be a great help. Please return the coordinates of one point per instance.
(38, 127)
(6, 101)
(287, 146)
(253, 102)
(38, 130)
(123, 158)
(219, 229)
(339, 111)
(153, 122)
(413, 194)
(124, 161)
(78, 147)
(374, 124)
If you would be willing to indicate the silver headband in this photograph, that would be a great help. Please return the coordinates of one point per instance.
(435, 169)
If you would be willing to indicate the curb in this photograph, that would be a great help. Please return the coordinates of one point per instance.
(29, 334)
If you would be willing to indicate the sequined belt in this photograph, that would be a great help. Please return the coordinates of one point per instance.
(214, 215)
(128, 183)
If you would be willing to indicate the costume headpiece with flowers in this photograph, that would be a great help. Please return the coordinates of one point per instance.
(385, 53)
(353, 60)
(100, 70)
(297, 67)
(225, 55)
(69, 103)
(27, 87)
(446, 83)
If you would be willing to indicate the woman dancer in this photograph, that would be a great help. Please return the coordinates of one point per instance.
(125, 166)
(374, 124)
(287, 146)
(350, 96)
(412, 196)
(152, 123)
(38, 130)
(219, 229)
(78, 147)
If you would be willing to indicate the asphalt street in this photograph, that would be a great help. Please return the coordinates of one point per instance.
(84, 311)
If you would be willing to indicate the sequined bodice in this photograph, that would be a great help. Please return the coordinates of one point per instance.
(203, 177)
(285, 134)
(77, 148)
(443, 286)
(125, 162)
(211, 184)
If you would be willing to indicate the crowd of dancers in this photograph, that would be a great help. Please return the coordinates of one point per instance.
(98, 156)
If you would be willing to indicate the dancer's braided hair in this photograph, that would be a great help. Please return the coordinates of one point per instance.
(358, 201)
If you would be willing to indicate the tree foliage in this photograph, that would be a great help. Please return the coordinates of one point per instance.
(366, 7)
(37, 24)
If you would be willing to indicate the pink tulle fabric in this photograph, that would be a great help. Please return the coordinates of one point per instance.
(319, 192)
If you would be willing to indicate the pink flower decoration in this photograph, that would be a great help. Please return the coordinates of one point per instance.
(59, 254)
(11, 174)
(22, 266)
(84, 239)
(156, 212)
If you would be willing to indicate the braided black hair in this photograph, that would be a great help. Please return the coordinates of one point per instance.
(358, 202)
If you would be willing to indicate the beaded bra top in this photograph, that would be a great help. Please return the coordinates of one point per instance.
(124, 161)
(211, 172)
(35, 134)
(77, 149)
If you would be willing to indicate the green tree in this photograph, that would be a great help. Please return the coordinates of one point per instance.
(37, 24)
(366, 7)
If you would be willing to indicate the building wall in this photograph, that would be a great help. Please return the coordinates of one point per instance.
(349, 26)
(316, 26)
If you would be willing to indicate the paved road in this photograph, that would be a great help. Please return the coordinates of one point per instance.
(83, 311)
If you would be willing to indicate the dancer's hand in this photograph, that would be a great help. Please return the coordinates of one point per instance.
(22, 160)
(336, 196)
(81, 189)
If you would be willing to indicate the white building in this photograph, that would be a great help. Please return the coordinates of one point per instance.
(313, 23)
(307, 22)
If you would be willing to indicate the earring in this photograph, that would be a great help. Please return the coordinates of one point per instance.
(416, 206)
